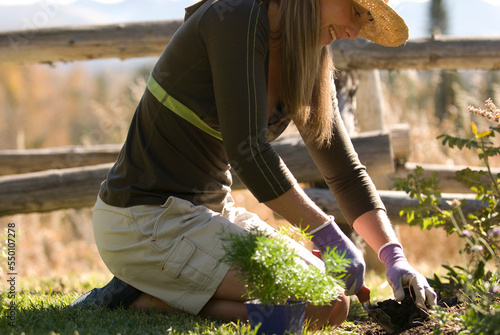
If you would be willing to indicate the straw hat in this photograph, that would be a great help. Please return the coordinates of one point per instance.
(387, 28)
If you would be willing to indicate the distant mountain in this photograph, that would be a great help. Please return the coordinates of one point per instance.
(466, 17)
(86, 12)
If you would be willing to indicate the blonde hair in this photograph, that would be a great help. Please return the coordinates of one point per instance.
(306, 70)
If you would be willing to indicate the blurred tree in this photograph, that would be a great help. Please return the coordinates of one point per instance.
(493, 85)
(12, 82)
(446, 95)
(438, 17)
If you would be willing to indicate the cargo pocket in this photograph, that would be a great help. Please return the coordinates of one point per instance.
(181, 263)
(177, 257)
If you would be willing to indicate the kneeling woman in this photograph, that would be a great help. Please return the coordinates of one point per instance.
(228, 83)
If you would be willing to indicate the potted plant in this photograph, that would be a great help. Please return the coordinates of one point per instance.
(278, 283)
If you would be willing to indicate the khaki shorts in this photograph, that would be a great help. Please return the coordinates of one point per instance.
(172, 251)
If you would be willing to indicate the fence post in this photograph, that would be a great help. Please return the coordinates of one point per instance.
(370, 117)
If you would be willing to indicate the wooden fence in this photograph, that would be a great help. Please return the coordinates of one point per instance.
(74, 183)
(149, 39)
(59, 178)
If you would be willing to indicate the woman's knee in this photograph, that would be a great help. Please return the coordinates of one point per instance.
(317, 316)
(334, 314)
(340, 311)
(231, 287)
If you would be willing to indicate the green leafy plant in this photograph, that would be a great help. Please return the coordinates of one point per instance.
(273, 274)
(480, 313)
(479, 230)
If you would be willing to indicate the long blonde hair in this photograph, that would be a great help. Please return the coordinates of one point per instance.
(306, 70)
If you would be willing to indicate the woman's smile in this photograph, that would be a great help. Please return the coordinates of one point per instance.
(341, 19)
(333, 33)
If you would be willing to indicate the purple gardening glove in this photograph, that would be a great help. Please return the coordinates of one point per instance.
(401, 274)
(330, 236)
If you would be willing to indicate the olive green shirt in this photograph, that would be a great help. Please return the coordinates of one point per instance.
(215, 69)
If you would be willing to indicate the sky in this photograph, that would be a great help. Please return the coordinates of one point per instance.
(26, 2)
(67, 2)
(467, 17)
(62, 2)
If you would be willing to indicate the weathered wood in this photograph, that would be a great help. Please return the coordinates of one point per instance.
(401, 142)
(438, 52)
(32, 160)
(370, 110)
(393, 201)
(51, 190)
(89, 42)
(374, 150)
(150, 38)
(369, 101)
(444, 173)
(77, 187)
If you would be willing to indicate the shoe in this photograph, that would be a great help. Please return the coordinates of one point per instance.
(116, 293)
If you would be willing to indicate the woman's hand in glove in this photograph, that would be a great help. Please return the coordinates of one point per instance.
(401, 274)
(330, 236)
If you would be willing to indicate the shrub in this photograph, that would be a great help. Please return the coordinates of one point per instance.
(479, 230)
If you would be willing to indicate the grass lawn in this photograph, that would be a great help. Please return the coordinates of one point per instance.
(43, 308)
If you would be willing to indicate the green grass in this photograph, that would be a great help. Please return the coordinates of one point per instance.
(50, 313)
(43, 308)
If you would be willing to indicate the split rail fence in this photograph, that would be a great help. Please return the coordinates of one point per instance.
(42, 180)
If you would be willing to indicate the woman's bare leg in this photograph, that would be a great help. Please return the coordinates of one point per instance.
(226, 304)
(146, 301)
(227, 301)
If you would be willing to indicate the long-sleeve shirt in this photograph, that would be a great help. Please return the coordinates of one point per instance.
(205, 111)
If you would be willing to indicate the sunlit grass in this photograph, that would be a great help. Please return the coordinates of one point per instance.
(43, 308)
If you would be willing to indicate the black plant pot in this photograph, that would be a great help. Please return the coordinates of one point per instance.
(276, 319)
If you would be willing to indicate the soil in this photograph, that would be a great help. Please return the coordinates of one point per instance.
(409, 319)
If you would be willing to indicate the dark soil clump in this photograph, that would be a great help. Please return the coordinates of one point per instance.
(404, 314)
(409, 319)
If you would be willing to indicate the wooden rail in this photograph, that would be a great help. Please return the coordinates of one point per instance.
(34, 160)
(150, 38)
(375, 150)
(448, 183)
(77, 187)
(51, 190)
(89, 42)
(393, 201)
(438, 52)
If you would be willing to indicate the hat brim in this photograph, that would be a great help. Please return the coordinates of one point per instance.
(387, 28)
